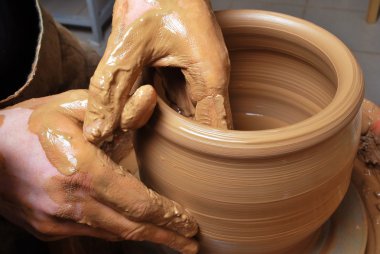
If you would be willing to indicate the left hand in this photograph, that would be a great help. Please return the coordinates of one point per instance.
(56, 184)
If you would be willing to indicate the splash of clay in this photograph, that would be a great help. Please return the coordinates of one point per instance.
(369, 148)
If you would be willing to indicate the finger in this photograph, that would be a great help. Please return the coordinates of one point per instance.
(120, 146)
(211, 111)
(101, 216)
(138, 108)
(205, 64)
(114, 77)
(107, 97)
(136, 113)
(69, 229)
(73, 103)
(130, 197)
(207, 84)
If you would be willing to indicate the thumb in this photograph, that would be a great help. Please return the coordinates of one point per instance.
(108, 93)
(112, 82)
(138, 108)
(136, 113)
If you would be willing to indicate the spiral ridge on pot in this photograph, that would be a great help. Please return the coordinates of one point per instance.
(295, 95)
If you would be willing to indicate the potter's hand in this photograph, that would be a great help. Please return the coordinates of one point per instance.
(161, 33)
(56, 184)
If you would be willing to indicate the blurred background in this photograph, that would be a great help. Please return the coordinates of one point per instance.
(90, 21)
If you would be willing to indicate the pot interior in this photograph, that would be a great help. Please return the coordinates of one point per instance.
(272, 89)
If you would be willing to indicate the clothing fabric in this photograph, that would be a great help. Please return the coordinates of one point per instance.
(38, 57)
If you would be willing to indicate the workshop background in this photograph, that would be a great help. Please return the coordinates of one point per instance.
(90, 21)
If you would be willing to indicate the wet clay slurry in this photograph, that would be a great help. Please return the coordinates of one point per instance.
(55, 137)
(64, 150)
(165, 35)
(279, 182)
(369, 142)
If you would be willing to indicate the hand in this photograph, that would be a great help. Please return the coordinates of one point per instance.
(55, 184)
(161, 33)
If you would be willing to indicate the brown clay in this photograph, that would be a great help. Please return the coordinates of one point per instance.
(296, 91)
(369, 149)
(1, 120)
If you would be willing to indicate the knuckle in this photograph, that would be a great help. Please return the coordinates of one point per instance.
(43, 229)
(140, 210)
(43, 237)
(138, 233)
(78, 94)
(72, 211)
(172, 241)
(78, 182)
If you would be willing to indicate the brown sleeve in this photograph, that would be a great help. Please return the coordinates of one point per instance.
(58, 64)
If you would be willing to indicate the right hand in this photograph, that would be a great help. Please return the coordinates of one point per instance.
(161, 33)
(56, 184)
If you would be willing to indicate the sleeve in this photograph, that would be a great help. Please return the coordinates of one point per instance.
(38, 56)
(19, 31)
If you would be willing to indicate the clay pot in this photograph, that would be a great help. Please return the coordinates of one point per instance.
(295, 93)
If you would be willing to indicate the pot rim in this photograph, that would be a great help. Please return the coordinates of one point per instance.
(341, 111)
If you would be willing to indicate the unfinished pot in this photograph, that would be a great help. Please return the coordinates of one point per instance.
(295, 94)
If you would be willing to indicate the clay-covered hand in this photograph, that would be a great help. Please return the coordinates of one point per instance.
(56, 184)
(369, 149)
(161, 33)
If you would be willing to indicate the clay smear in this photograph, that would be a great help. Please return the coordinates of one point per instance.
(64, 144)
(369, 149)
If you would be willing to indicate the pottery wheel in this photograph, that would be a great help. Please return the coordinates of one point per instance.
(345, 232)
(347, 229)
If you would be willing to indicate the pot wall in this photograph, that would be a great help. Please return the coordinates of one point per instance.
(266, 190)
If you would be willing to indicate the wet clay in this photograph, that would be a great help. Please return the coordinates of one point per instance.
(369, 149)
(165, 35)
(58, 144)
(1, 120)
(274, 182)
(55, 132)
